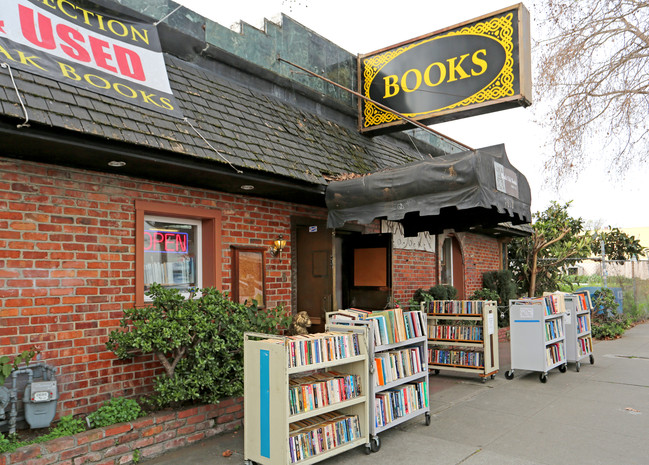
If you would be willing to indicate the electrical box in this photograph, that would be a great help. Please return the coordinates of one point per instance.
(40, 403)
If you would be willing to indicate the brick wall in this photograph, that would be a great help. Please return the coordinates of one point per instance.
(412, 269)
(146, 437)
(67, 271)
(481, 254)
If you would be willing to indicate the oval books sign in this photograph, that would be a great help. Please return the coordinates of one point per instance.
(469, 69)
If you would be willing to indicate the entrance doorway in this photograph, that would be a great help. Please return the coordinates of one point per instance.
(314, 284)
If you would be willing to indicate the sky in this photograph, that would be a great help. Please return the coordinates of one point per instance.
(363, 26)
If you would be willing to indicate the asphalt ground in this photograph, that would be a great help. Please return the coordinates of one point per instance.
(599, 415)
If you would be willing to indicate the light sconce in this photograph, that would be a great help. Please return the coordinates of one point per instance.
(278, 245)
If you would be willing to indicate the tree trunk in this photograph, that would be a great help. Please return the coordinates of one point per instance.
(533, 272)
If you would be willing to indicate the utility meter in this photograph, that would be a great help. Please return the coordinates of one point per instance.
(40, 403)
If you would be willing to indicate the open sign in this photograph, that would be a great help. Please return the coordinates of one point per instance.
(166, 241)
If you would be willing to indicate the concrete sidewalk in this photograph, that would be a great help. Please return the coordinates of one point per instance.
(597, 416)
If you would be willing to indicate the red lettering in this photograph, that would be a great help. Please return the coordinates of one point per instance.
(181, 242)
(129, 63)
(28, 26)
(170, 242)
(101, 57)
(148, 240)
(158, 238)
(72, 37)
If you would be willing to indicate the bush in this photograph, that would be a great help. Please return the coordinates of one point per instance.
(66, 426)
(501, 282)
(484, 294)
(116, 410)
(199, 342)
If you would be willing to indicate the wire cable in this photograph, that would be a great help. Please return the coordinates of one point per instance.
(186, 120)
(11, 74)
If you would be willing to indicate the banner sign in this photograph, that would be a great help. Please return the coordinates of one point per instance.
(476, 67)
(87, 48)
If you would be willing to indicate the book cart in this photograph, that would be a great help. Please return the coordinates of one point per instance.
(537, 332)
(305, 397)
(462, 336)
(398, 376)
(579, 341)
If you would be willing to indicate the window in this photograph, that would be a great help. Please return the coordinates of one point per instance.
(446, 262)
(176, 246)
(172, 253)
(248, 275)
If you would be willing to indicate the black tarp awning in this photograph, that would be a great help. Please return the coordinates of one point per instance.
(469, 189)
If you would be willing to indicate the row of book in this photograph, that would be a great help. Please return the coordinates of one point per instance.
(321, 433)
(320, 389)
(552, 303)
(321, 347)
(397, 364)
(171, 272)
(388, 326)
(457, 307)
(553, 329)
(399, 402)
(585, 345)
(582, 324)
(456, 357)
(585, 303)
(454, 332)
(555, 353)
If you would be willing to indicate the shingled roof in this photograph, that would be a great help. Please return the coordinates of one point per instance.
(252, 127)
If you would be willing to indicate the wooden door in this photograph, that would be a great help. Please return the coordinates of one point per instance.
(314, 273)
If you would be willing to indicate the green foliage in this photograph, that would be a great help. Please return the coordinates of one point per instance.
(268, 320)
(611, 330)
(66, 426)
(538, 261)
(484, 294)
(199, 342)
(7, 365)
(502, 283)
(618, 245)
(116, 410)
(438, 292)
(604, 303)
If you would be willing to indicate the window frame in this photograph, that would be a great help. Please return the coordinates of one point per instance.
(210, 241)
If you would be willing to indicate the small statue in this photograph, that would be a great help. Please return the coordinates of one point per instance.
(300, 323)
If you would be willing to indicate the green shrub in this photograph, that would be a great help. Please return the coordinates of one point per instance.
(67, 426)
(484, 294)
(502, 282)
(116, 410)
(199, 342)
(268, 320)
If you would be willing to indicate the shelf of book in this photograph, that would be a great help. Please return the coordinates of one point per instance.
(579, 341)
(538, 335)
(398, 389)
(305, 397)
(462, 336)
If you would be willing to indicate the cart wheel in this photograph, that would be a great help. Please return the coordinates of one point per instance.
(427, 418)
(484, 380)
(493, 376)
(543, 378)
(563, 368)
(592, 359)
(436, 372)
(248, 462)
(509, 374)
(368, 449)
(578, 367)
(375, 444)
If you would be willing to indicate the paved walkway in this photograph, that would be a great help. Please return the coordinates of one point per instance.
(597, 416)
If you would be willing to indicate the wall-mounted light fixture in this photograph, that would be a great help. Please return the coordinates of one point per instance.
(278, 245)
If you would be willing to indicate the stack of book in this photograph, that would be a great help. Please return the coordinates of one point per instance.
(454, 332)
(555, 353)
(321, 389)
(397, 364)
(553, 330)
(388, 326)
(399, 402)
(456, 307)
(456, 357)
(322, 347)
(585, 345)
(582, 324)
(321, 433)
